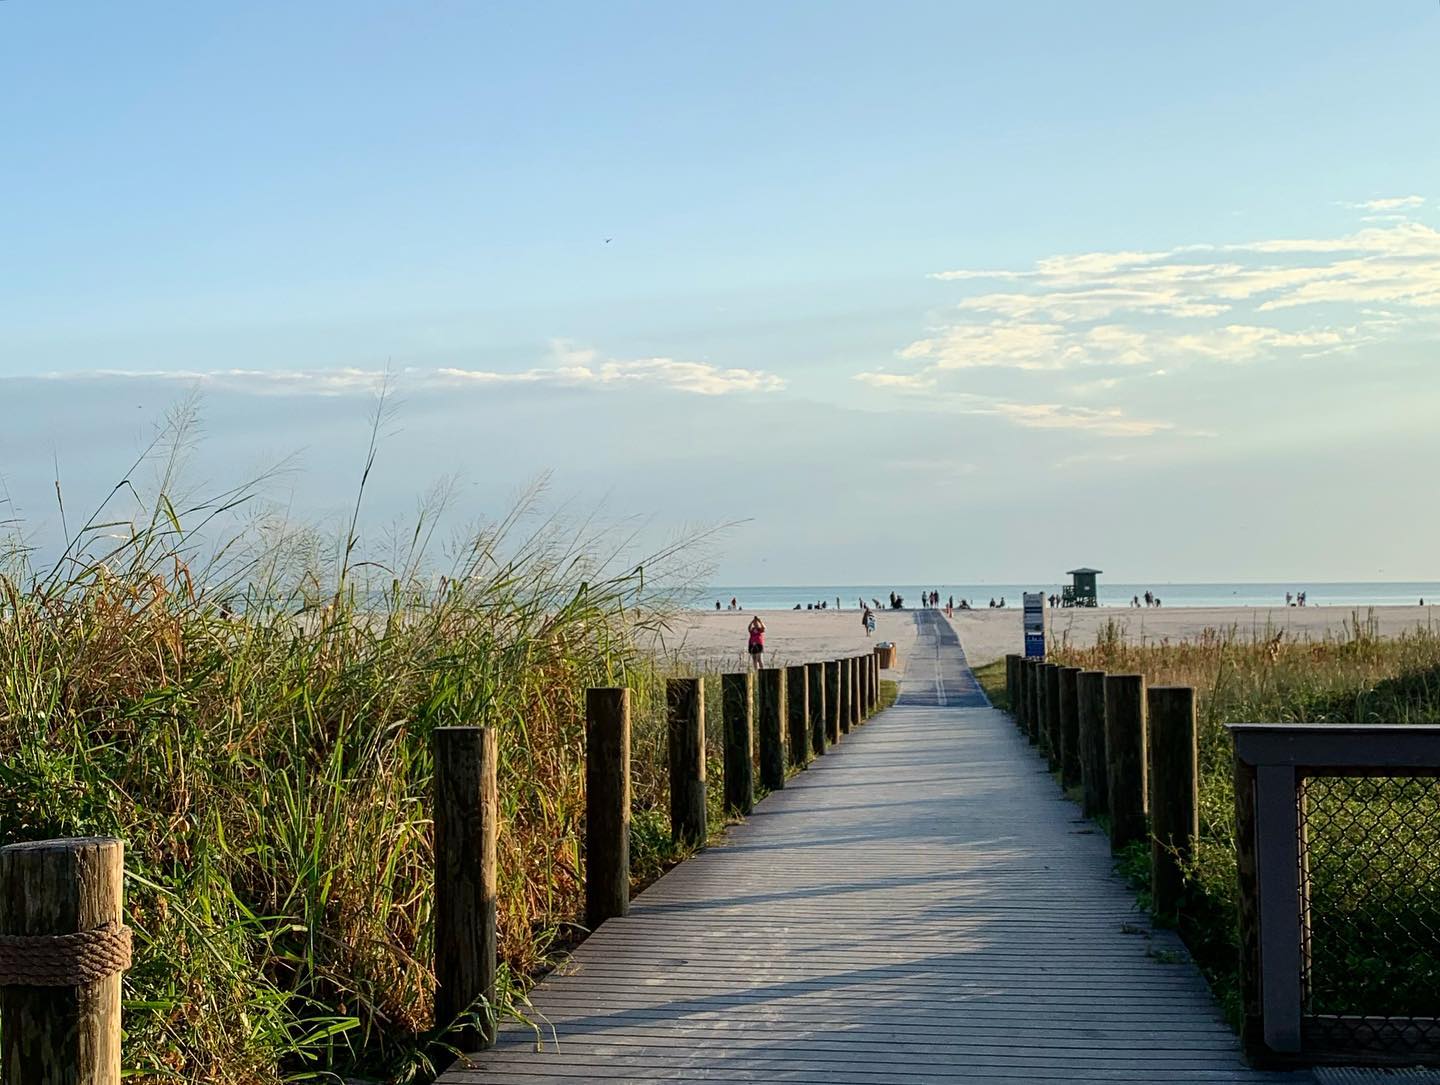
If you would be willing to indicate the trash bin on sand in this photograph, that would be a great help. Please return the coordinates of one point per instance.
(885, 653)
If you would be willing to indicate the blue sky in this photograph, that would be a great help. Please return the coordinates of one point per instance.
(917, 291)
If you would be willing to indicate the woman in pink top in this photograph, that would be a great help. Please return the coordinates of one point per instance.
(757, 641)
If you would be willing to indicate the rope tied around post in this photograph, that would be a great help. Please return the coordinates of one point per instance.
(64, 960)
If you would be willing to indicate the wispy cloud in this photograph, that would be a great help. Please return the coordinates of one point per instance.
(1389, 203)
(1106, 421)
(1101, 421)
(1195, 303)
(1153, 312)
(571, 367)
(1400, 262)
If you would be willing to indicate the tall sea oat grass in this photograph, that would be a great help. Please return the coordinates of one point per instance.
(1269, 676)
(252, 717)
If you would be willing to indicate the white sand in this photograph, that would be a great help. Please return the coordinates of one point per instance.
(716, 640)
(987, 635)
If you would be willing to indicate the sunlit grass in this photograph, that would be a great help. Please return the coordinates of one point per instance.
(1353, 676)
(251, 710)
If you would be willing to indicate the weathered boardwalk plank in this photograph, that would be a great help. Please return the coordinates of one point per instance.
(918, 906)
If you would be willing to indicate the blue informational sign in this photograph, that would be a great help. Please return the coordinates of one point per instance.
(1034, 625)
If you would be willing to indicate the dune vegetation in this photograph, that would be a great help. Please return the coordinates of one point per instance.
(249, 708)
(1373, 842)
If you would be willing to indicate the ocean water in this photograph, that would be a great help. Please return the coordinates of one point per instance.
(1359, 593)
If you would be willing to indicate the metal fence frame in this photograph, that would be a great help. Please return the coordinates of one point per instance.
(1272, 762)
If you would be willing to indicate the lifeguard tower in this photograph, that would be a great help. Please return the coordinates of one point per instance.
(1081, 591)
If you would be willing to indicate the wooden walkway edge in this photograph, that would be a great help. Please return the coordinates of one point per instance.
(918, 906)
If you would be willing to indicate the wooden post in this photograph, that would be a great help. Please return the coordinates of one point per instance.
(832, 700)
(607, 804)
(847, 691)
(1035, 704)
(862, 691)
(863, 685)
(1042, 716)
(1051, 674)
(685, 702)
(875, 678)
(1012, 686)
(797, 706)
(1022, 696)
(770, 731)
(854, 691)
(61, 1035)
(1069, 728)
(1090, 701)
(466, 821)
(1175, 799)
(1252, 1016)
(815, 683)
(738, 716)
(1125, 753)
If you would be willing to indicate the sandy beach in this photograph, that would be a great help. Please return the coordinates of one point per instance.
(715, 640)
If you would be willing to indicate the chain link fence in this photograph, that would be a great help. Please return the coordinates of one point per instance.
(1370, 913)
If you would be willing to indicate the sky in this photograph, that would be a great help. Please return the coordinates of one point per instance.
(904, 292)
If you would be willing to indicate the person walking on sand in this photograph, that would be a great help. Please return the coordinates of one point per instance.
(868, 621)
(757, 642)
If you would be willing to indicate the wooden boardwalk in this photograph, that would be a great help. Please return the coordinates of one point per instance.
(919, 906)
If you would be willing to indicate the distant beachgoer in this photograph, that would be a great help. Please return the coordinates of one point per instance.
(757, 642)
(868, 621)
(837, 602)
(717, 604)
(1288, 597)
(734, 605)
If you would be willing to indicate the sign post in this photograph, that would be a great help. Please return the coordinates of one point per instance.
(1034, 625)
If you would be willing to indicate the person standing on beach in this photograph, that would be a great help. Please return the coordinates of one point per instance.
(868, 621)
(757, 642)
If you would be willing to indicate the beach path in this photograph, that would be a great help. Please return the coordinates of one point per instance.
(918, 906)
